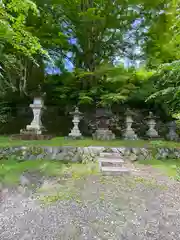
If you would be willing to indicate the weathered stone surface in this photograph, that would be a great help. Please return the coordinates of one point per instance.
(129, 133)
(24, 181)
(28, 135)
(136, 151)
(103, 134)
(172, 135)
(162, 153)
(75, 132)
(133, 157)
(86, 154)
(152, 132)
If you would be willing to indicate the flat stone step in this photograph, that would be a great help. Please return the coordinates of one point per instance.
(111, 160)
(110, 155)
(114, 170)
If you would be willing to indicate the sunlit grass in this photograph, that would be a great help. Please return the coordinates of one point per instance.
(11, 170)
(61, 141)
(169, 167)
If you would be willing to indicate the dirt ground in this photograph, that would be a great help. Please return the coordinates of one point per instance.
(143, 206)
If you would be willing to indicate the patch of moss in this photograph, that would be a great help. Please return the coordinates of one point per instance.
(11, 170)
(35, 150)
(152, 183)
(67, 191)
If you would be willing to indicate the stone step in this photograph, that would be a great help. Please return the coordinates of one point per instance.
(111, 160)
(110, 155)
(114, 170)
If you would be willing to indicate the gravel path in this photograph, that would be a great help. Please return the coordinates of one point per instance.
(132, 208)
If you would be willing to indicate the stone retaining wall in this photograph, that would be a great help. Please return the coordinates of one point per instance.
(85, 154)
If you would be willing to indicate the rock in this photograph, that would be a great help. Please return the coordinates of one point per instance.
(48, 149)
(78, 154)
(162, 153)
(122, 150)
(133, 157)
(57, 150)
(23, 148)
(40, 156)
(135, 151)
(60, 156)
(32, 157)
(127, 152)
(141, 157)
(24, 181)
(144, 151)
(77, 158)
(96, 149)
(144, 154)
(176, 154)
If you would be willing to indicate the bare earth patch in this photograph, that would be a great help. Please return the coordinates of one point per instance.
(144, 206)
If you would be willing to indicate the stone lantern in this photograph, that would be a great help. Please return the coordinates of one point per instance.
(37, 108)
(103, 132)
(129, 133)
(172, 135)
(151, 133)
(35, 130)
(75, 132)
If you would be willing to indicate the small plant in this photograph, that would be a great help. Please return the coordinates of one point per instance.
(108, 150)
(157, 143)
(36, 150)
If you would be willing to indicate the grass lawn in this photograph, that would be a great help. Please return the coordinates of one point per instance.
(11, 170)
(169, 167)
(61, 141)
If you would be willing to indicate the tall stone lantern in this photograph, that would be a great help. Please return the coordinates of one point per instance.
(129, 133)
(151, 133)
(37, 107)
(36, 128)
(75, 132)
(172, 135)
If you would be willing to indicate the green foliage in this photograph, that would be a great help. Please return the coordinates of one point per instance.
(93, 37)
(162, 35)
(99, 33)
(167, 86)
(5, 111)
(14, 15)
(19, 46)
(163, 55)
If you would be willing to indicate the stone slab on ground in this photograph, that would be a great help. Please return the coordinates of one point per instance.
(111, 160)
(114, 171)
